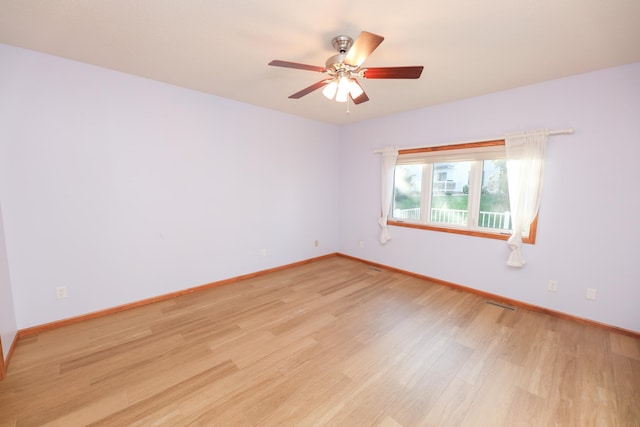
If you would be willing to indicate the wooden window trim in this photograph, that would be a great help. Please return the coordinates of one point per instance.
(493, 143)
(531, 239)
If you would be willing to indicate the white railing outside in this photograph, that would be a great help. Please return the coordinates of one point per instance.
(449, 216)
(495, 220)
(444, 186)
(413, 213)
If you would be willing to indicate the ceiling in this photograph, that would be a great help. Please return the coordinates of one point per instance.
(222, 47)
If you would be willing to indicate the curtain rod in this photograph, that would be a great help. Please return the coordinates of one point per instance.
(567, 131)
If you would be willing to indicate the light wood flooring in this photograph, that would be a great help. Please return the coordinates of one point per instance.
(334, 342)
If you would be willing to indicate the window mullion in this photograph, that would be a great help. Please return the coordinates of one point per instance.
(475, 187)
(425, 202)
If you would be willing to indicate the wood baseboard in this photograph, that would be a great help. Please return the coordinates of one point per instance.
(4, 360)
(502, 299)
(71, 320)
(64, 322)
(3, 368)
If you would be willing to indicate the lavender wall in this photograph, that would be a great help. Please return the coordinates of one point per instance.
(122, 188)
(588, 230)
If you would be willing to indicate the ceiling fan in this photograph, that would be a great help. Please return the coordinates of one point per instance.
(345, 68)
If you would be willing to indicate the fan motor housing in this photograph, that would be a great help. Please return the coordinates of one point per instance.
(335, 62)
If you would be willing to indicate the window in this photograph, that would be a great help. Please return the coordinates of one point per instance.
(458, 188)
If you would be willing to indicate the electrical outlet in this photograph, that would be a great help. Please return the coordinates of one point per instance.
(552, 286)
(263, 252)
(315, 243)
(361, 244)
(591, 293)
(61, 292)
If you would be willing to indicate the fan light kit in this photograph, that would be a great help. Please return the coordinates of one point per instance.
(345, 68)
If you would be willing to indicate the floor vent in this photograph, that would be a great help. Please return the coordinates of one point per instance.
(374, 269)
(497, 304)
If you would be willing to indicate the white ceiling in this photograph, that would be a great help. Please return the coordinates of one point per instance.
(222, 47)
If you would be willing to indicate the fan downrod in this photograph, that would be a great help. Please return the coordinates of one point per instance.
(342, 43)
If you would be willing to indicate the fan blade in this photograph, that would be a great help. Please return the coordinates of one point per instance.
(309, 89)
(363, 96)
(296, 65)
(392, 72)
(364, 45)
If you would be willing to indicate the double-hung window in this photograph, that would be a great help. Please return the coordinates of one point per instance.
(456, 188)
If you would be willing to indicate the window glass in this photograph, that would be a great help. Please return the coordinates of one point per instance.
(407, 192)
(449, 193)
(494, 197)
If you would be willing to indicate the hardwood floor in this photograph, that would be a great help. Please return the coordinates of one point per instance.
(334, 342)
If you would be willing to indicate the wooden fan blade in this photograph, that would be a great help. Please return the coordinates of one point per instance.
(361, 49)
(393, 72)
(309, 89)
(363, 96)
(296, 65)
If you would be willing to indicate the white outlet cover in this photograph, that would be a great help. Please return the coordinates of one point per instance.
(591, 293)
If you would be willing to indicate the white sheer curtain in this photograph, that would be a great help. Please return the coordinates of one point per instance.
(525, 166)
(389, 157)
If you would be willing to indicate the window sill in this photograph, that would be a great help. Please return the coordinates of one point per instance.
(531, 239)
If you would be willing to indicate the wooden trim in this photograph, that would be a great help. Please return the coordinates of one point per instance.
(531, 239)
(10, 352)
(3, 369)
(57, 324)
(502, 299)
(533, 231)
(76, 319)
(493, 143)
(448, 230)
